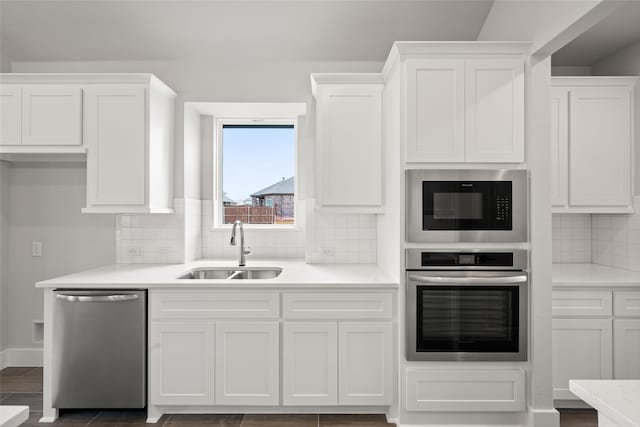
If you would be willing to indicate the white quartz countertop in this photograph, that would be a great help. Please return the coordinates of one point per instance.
(593, 275)
(13, 416)
(295, 273)
(617, 400)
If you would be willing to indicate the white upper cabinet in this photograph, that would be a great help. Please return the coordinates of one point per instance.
(461, 102)
(115, 139)
(51, 115)
(349, 140)
(10, 115)
(494, 110)
(435, 110)
(123, 123)
(592, 144)
(128, 133)
(41, 115)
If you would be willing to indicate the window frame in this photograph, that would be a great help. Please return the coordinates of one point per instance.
(218, 194)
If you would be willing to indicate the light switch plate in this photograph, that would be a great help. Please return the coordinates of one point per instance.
(36, 249)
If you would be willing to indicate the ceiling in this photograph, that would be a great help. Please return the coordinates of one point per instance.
(173, 30)
(621, 28)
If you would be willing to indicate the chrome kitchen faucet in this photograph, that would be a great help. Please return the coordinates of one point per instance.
(241, 251)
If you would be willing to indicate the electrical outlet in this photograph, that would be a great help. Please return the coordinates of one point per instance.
(329, 251)
(36, 249)
(134, 251)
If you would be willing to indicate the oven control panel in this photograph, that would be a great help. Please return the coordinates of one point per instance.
(472, 259)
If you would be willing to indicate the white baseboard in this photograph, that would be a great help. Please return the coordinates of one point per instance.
(20, 357)
(543, 418)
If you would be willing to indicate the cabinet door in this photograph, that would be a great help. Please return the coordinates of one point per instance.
(310, 363)
(435, 110)
(115, 123)
(10, 115)
(600, 146)
(349, 130)
(626, 349)
(181, 357)
(365, 363)
(559, 146)
(582, 349)
(494, 110)
(51, 115)
(247, 363)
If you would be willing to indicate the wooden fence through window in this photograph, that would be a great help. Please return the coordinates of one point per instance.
(249, 214)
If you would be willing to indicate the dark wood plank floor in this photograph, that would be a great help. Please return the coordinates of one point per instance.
(23, 386)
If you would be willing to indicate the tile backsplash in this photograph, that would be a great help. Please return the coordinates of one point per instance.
(151, 238)
(611, 240)
(187, 234)
(571, 238)
(262, 243)
(616, 239)
(342, 238)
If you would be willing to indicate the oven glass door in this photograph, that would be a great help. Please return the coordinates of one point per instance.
(466, 205)
(463, 318)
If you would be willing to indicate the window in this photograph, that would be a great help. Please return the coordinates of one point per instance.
(256, 173)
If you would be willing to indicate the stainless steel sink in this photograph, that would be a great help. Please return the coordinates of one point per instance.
(226, 273)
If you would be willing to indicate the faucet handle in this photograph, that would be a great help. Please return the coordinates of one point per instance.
(246, 251)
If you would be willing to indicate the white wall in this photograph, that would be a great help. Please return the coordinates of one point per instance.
(626, 62)
(44, 202)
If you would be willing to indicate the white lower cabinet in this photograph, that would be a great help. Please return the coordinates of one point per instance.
(310, 363)
(219, 348)
(181, 363)
(465, 390)
(343, 363)
(582, 349)
(596, 335)
(365, 363)
(247, 363)
(626, 349)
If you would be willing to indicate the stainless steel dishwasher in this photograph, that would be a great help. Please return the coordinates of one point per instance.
(99, 349)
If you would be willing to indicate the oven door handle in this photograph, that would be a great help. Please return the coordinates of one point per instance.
(469, 280)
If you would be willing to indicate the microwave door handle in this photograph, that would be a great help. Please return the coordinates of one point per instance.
(468, 280)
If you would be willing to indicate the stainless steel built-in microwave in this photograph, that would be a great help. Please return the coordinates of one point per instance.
(466, 206)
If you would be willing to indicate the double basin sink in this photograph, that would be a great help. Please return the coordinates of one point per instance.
(232, 273)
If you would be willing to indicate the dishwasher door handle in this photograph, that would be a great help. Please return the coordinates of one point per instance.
(97, 298)
(469, 280)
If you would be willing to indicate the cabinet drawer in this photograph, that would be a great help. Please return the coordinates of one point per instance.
(337, 306)
(579, 303)
(626, 303)
(215, 305)
(465, 390)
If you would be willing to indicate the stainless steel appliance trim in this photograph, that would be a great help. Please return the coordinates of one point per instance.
(414, 231)
(411, 319)
(102, 298)
(91, 339)
(413, 259)
(468, 280)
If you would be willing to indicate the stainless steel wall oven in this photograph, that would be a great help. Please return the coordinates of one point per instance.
(466, 206)
(467, 305)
